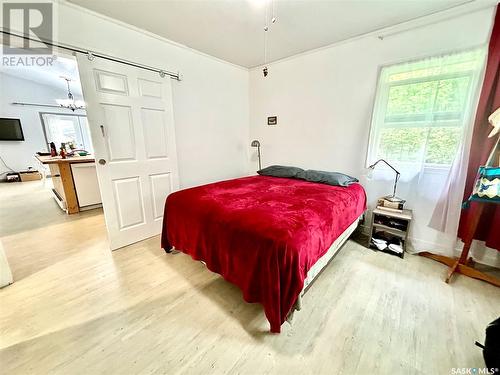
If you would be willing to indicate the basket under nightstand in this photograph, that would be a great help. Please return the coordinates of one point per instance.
(396, 224)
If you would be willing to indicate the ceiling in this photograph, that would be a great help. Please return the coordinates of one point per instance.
(49, 75)
(232, 30)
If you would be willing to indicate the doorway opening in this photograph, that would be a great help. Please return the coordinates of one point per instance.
(129, 131)
(51, 207)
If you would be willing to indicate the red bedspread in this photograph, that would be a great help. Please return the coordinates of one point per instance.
(261, 233)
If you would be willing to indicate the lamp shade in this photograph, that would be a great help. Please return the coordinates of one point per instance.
(369, 174)
(256, 143)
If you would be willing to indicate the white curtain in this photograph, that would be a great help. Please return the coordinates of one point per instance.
(446, 215)
(421, 125)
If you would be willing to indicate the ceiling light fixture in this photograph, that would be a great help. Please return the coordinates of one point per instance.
(70, 102)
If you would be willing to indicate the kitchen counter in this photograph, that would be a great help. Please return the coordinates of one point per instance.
(71, 159)
(75, 182)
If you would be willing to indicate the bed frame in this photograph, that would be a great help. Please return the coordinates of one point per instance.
(321, 264)
(318, 267)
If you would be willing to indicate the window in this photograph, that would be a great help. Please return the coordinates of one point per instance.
(421, 108)
(61, 128)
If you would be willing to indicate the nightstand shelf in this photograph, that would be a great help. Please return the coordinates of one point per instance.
(396, 232)
(390, 226)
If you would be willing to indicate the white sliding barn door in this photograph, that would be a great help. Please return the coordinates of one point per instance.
(131, 122)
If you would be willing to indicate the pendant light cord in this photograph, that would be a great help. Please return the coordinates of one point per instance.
(270, 8)
(266, 30)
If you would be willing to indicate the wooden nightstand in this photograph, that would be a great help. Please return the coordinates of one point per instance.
(394, 224)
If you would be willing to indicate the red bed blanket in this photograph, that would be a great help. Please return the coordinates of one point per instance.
(261, 233)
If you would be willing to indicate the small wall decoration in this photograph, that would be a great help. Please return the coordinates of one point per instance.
(273, 120)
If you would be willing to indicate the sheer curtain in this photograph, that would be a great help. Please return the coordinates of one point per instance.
(421, 125)
(446, 214)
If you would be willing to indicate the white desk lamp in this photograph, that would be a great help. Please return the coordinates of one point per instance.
(392, 197)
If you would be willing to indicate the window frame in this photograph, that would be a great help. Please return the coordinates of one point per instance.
(373, 142)
(469, 74)
(79, 116)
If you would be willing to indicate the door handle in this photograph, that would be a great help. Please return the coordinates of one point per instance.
(102, 130)
(102, 161)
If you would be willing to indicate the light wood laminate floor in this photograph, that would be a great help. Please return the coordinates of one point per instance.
(77, 308)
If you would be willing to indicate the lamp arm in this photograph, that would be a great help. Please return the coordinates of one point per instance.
(394, 169)
(390, 166)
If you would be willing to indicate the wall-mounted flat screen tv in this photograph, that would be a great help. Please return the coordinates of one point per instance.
(11, 130)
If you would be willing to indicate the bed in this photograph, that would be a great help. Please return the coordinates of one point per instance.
(270, 236)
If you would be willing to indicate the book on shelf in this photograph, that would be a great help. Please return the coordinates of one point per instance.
(388, 205)
(388, 209)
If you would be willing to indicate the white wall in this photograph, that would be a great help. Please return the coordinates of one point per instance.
(19, 155)
(324, 99)
(210, 103)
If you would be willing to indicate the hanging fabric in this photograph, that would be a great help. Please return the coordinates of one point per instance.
(481, 147)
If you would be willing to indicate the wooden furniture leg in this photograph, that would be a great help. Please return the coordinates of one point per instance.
(475, 274)
(464, 269)
(465, 264)
(69, 188)
(470, 262)
(451, 271)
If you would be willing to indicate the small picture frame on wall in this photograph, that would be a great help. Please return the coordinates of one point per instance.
(272, 120)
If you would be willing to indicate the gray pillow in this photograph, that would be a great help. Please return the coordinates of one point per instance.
(329, 178)
(280, 171)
